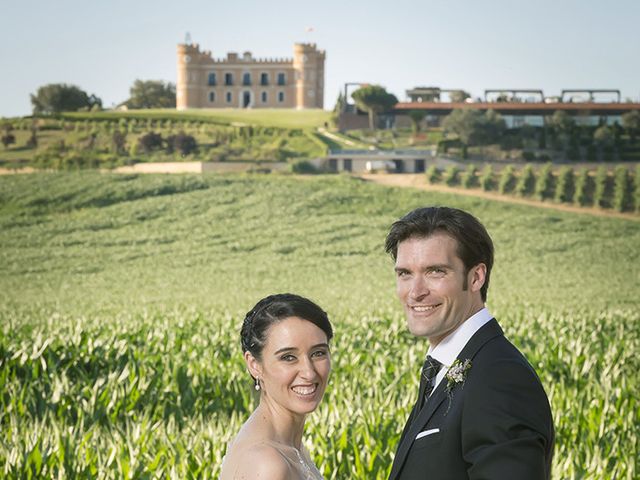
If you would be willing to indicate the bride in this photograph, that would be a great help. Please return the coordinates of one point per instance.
(285, 340)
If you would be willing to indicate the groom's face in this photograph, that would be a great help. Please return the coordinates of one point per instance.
(436, 291)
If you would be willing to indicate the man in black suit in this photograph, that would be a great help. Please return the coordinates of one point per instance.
(482, 412)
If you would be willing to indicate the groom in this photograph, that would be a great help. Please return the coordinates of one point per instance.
(481, 411)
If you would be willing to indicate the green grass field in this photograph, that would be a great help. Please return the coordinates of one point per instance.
(282, 118)
(121, 298)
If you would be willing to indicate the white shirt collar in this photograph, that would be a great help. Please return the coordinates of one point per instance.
(450, 347)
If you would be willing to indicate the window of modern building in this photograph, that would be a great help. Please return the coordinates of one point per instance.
(212, 78)
(212, 96)
(347, 164)
(282, 78)
(264, 78)
(228, 78)
(246, 79)
(281, 97)
(229, 98)
(263, 97)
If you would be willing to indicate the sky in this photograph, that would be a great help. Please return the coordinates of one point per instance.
(103, 46)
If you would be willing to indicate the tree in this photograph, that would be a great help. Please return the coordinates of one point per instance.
(561, 122)
(468, 179)
(8, 138)
(564, 185)
(631, 123)
(60, 97)
(459, 96)
(373, 99)
(119, 142)
(152, 94)
(621, 188)
(580, 193)
(507, 179)
(603, 136)
(486, 178)
(474, 127)
(600, 187)
(416, 117)
(544, 182)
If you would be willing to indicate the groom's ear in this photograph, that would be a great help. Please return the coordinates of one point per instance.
(253, 365)
(477, 277)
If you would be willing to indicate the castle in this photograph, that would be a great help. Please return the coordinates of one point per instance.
(247, 82)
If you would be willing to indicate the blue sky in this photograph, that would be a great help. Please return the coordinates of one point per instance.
(104, 45)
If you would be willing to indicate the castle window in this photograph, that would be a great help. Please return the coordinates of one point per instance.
(246, 79)
(264, 79)
(229, 98)
(212, 79)
(228, 78)
(282, 79)
(263, 97)
(212, 97)
(281, 97)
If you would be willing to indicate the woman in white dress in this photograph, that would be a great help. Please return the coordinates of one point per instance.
(285, 340)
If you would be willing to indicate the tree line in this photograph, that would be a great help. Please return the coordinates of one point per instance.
(619, 190)
(61, 97)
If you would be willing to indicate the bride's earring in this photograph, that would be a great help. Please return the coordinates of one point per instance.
(257, 387)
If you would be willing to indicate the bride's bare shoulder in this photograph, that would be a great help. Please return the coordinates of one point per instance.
(261, 462)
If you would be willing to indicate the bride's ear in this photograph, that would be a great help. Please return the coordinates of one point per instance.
(253, 365)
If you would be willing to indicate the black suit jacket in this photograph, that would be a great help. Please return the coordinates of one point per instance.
(496, 425)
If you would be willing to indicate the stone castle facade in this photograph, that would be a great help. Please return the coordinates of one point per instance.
(247, 82)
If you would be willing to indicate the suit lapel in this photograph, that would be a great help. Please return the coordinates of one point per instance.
(488, 331)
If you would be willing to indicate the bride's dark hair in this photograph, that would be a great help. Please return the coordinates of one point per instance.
(275, 308)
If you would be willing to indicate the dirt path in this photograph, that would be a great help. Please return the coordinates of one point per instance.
(419, 181)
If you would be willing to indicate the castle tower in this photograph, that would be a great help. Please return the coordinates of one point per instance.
(308, 64)
(189, 84)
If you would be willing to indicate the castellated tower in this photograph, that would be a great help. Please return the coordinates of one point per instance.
(242, 81)
(308, 62)
(189, 85)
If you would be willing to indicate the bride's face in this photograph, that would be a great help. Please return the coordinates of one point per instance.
(295, 365)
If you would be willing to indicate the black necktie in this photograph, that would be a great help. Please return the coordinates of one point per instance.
(430, 369)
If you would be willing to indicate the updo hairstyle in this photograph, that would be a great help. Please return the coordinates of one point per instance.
(275, 308)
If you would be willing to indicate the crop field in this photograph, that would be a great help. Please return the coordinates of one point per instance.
(122, 296)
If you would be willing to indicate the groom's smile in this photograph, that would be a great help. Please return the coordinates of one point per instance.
(433, 286)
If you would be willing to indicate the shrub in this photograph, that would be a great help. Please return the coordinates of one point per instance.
(468, 178)
(183, 143)
(582, 187)
(150, 141)
(600, 187)
(486, 178)
(564, 185)
(8, 139)
(507, 179)
(636, 194)
(304, 167)
(526, 182)
(433, 175)
(544, 182)
(450, 176)
(621, 188)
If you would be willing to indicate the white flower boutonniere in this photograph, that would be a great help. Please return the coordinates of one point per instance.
(456, 375)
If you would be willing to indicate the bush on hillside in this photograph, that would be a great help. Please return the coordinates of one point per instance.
(526, 182)
(582, 187)
(468, 178)
(621, 189)
(507, 180)
(544, 183)
(600, 187)
(486, 178)
(433, 175)
(564, 185)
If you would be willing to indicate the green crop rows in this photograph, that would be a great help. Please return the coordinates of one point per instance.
(121, 298)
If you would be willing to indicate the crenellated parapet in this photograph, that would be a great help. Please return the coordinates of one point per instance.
(240, 80)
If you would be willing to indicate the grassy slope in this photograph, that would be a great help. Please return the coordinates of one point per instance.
(284, 118)
(180, 258)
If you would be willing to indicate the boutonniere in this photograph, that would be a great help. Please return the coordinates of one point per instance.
(456, 375)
